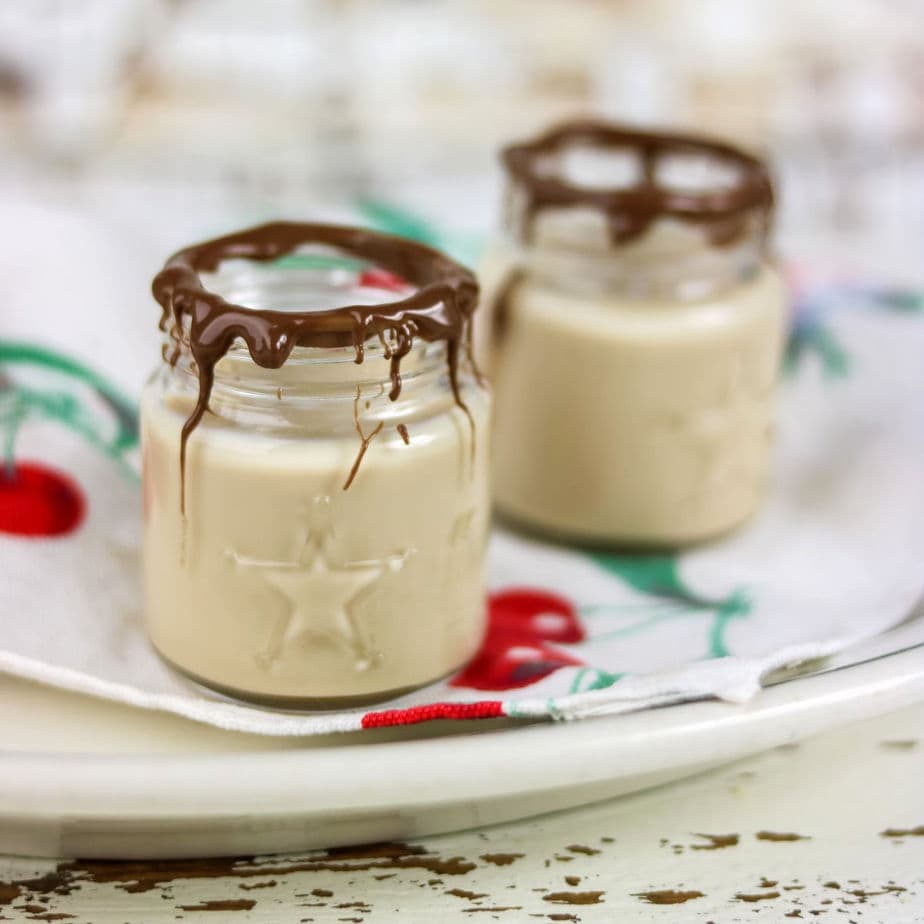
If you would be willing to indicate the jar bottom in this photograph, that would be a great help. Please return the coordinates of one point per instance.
(303, 704)
(625, 544)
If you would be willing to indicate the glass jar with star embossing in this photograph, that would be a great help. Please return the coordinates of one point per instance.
(633, 328)
(315, 467)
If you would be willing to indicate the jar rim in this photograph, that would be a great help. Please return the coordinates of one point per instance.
(723, 212)
(440, 309)
(445, 297)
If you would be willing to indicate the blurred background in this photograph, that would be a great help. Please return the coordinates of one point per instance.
(130, 128)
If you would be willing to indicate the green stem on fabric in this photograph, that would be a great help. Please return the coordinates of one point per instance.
(833, 355)
(717, 646)
(658, 616)
(602, 680)
(737, 606)
(63, 408)
(819, 339)
(125, 412)
(659, 576)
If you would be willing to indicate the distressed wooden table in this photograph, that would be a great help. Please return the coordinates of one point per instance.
(830, 830)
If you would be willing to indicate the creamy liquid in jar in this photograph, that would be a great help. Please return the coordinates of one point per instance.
(634, 339)
(321, 540)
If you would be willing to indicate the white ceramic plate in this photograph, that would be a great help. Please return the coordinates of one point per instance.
(81, 777)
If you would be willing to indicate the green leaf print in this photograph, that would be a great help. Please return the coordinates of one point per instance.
(901, 300)
(19, 403)
(812, 332)
(819, 339)
(659, 576)
(397, 220)
(650, 574)
(592, 678)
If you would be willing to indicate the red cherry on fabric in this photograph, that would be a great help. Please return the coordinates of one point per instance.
(515, 652)
(382, 279)
(39, 501)
(511, 668)
(538, 614)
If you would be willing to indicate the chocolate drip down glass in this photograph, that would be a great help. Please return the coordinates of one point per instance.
(320, 540)
(633, 332)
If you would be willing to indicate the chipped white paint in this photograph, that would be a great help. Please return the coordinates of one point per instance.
(839, 791)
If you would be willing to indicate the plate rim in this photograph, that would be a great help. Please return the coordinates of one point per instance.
(417, 773)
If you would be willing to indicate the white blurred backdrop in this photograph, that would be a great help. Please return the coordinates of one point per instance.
(161, 120)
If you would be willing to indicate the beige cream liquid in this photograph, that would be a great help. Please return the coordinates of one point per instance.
(282, 587)
(639, 421)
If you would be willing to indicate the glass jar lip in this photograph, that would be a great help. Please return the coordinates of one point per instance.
(440, 309)
(326, 361)
(444, 299)
(313, 372)
(238, 353)
(723, 212)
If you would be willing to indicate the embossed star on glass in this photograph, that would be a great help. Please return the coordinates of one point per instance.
(315, 478)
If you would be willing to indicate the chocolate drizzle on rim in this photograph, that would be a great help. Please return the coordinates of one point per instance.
(440, 309)
(723, 212)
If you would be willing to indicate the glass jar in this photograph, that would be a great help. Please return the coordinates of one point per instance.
(634, 336)
(319, 540)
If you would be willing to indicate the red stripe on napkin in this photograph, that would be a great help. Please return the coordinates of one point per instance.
(485, 709)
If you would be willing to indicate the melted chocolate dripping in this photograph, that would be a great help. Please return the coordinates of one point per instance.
(440, 309)
(723, 213)
(364, 440)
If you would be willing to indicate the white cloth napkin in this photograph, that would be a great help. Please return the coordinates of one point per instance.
(835, 555)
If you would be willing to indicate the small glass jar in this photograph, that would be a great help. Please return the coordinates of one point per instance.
(321, 540)
(633, 335)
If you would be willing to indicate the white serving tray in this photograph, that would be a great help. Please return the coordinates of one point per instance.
(84, 777)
